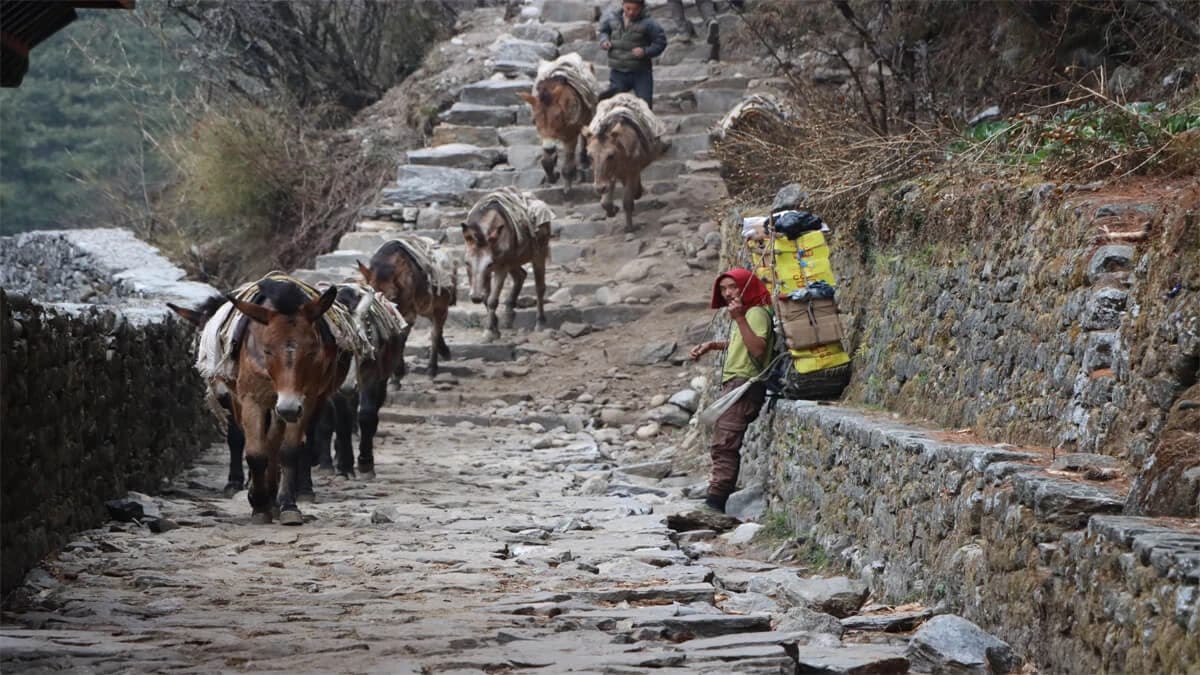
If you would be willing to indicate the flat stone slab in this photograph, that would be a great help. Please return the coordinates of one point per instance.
(891, 622)
(418, 184)
(457, 155)
(1065, 502)
(473, 114)
(496, 92)
(856, 659)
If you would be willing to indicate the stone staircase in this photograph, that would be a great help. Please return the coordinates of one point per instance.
(486, 140)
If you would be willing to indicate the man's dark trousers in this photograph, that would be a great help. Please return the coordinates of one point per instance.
(640, 82)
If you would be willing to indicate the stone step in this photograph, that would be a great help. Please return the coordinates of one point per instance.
(685, 146)
(418, 184)
(519, 135)
(561, 11)
(459, 156)
(315, 277)
(598, 316)
(341, 260)
(473, 114)
(486, 137)
(490, 352)
(528, 179)
(572, 423)
(495, 92)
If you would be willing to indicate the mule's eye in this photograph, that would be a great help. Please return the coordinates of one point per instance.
(269, 352)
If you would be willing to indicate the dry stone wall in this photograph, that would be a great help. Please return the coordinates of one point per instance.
(1055, 332)
(1039, 558)
(95, 399)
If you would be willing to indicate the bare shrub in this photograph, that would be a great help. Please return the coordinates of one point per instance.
(261, 189)
(342, 55)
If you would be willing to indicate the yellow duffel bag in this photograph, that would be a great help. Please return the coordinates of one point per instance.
(819, 358)
(797, 262)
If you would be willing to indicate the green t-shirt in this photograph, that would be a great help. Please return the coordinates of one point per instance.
(737, 358)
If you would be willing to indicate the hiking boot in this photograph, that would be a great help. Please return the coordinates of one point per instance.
(715, 503)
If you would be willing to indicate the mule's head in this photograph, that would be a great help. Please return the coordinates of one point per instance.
(296, 354)
(481, 239)
(381, 277)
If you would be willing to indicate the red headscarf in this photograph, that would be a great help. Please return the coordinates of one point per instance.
(754, 293)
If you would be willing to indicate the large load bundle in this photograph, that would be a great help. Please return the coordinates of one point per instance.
(434, 262)
(756, 110)
(626, 106)
(526, 213)
(572, 69)
(790, 255)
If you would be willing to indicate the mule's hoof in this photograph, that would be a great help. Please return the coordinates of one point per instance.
(611, 210)
(260, 518)
(540, 325)
(323, 470)
(306, 497)
(366, 474)
(553, 177)
(231, 489)
(492, 336)
(291, 517)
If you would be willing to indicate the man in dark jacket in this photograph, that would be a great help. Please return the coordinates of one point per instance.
(631, 40)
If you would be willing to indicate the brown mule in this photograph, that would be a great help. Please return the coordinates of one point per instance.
(620, 149)
(560, 114)
(287, 367)
(495, 250)
(395, 271)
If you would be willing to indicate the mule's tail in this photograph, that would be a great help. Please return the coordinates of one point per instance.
(443, 348)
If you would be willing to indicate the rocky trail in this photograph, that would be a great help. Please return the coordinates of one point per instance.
(525, 515)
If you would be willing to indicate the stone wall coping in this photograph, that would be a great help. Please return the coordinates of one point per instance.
(1172, 549)
(139, 266)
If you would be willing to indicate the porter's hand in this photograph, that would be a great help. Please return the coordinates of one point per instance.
(605, 45)
(736, 309)
(639, 52)
(700, 350)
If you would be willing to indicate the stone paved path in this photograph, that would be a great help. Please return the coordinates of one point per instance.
(471, 552)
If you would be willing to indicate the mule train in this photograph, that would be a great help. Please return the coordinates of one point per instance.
(284, 361)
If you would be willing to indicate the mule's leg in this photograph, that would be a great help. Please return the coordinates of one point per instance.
(606, 197)
(308, 459)
(549, 161)
(585, 161)
(493, 302)
(291, 451)
(321, 438)
(518, 275)
(255, 427)
(371, 398)
(236, 440)
(343, 415)
(633, 190)
(437, 345)
(569, 172)
(539, 283)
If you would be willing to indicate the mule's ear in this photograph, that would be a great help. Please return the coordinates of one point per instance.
(527, 97)
(313, 309)
(190, 315)
(257, 313)
(364, 271)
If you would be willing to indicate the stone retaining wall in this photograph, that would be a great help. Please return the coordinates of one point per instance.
(1029, 554)
(95, 400)
(1036, 315)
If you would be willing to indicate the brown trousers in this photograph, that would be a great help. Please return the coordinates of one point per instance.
(727, 436)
